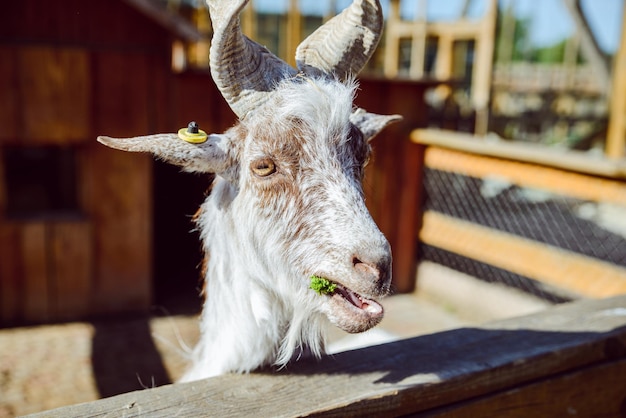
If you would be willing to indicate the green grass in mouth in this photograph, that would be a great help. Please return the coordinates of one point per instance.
(322, 286)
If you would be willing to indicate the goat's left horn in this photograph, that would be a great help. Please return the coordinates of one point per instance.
(345, 43)
(244, 71)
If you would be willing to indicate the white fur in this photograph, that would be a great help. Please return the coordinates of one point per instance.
(259, 309)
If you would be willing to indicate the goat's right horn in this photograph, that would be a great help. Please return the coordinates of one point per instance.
(344, 44)
(244, 71)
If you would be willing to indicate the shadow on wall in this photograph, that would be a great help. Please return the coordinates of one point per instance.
(125, 358)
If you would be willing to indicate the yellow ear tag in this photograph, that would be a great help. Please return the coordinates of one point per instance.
(192, 134)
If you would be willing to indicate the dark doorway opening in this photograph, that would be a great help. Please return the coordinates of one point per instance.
(177, 248)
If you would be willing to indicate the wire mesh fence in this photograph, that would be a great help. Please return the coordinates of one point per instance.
(593, 230)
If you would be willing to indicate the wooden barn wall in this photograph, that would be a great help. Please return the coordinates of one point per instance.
(71, 70)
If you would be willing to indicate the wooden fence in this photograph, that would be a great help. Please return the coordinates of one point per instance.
(571, 246)
(569, 360)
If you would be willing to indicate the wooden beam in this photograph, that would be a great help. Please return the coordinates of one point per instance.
(540, 155)
(392, 41)
(443, 64)
(557, 349)
(294, 31)
(526, 175)
(175, 23)
(36, 271)
(576, 273)
(616, 136)
(248, 21)
(11, 276)
(55, 94)
(556, 396)
(418, 50)
(10, 108)
(459, 30)
(71, 257)
(483, 67)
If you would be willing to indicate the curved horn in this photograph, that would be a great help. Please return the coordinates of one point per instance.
(343, 45)
(243, 70)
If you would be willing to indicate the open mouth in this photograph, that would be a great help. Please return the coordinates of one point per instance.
(350, 310)
(358, 301)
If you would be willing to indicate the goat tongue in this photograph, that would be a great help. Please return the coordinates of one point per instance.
(359, 301)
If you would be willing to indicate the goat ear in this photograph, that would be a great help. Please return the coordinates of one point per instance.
(371, 124)
(210, 156)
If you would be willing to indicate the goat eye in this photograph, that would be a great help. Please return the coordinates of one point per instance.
(263, 167)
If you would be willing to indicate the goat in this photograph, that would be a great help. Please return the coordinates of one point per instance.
(287, 202)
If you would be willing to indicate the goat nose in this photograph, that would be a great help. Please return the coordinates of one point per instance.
(375, 272)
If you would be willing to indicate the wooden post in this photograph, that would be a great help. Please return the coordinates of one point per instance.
(294, 31)
(445, 49)
(418, 46)
(617, 123)
(483, 68)
(392, 41)
(248, 21)
(36, 273)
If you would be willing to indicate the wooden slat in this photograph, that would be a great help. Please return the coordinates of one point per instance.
(9, 105)
(122, 222)
(527, 175)
(122, 89)
(483, 67)
(175, 23)
(535, 154)
(55, 92)
(616, 135)
(406, 377)
(10, 274)
(3, 186)
(573, 272)
(559, 396)
(34, 259)
(70, 247)
(117, 186)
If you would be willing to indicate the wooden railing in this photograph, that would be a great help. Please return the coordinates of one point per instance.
(566, 176)
(567, 360)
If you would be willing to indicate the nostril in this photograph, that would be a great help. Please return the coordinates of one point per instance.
(378, 272)
(365, 268)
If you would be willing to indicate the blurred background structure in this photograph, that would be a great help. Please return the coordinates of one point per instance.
(87, 231)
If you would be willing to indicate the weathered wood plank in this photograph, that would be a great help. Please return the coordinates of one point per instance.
(616, 135)
(9, 110)
(122, 228)
(3, 187)
(71, 255)
(55, 93)
(34, 260)
(576, 273)
(557, 181)
(543, 161)
(410, 376)
(563, 395)
(117, 187)
(10, 273)
(122, 90)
